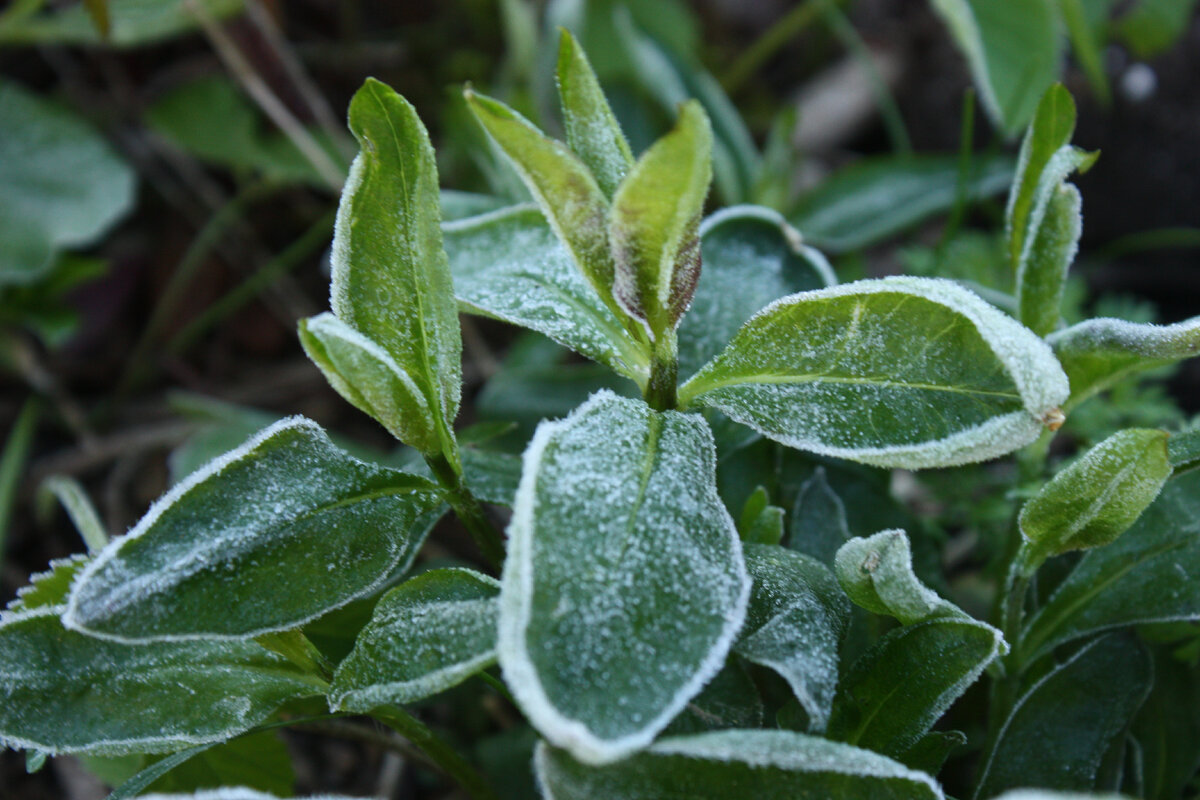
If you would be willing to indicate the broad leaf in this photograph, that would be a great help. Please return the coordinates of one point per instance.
(907, 372)
(766, 765)
(61, 691)
(265, 538)
(877, 574)
(899, 688)
(1060, 730)
(729, 701)
(593, 132)
(624, 587)
(1168, 729)
(1096, 498)
(817, 525)
(426, 635)
(133, 23)
(1042, 273)
(390, 278)
(794, 624)
(47, 588)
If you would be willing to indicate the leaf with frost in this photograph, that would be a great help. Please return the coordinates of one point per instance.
(877, 574)
(763, 764)
(426, 635)
(729, 701)
(47, 588)
(899, 688)
(509, 265)
(1042, 273)
(234, 793)
(593, 132)
(1043, 794)
(1099, 353)
(390, 278)
(903, 372)
(62, 691)
(795, 623)
(624, 587)
(1059, 731)
(1183, 448)
(817, 525)
(265, 538)
(930, 752)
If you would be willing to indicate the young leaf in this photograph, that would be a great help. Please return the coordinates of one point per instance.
(593, 132)
(62, 691)
(1060, 730)
(877, 574)
(931, 751)
(730, 700)
(390, 278)
(817, 525)
(426, 635)
(655, 227)
(763, 764)
(263, 539)
(907, 372)
(624, 585)
(1097, 498)
(795, 624)
(899, 688)
(1042, 273)
(760, 522)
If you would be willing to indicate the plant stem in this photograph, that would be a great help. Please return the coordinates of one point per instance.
(661, 389)
(444, 756)
(467, 508)
(779, 34)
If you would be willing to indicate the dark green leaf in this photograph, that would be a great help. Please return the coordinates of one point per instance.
(593, 133)
(134, 23)
(258, 761)
(931, 751)
(1168, 729)
(729, 701)
(817, 525)
(877, 574)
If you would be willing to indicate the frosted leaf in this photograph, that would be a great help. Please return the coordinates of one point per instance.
(1042, 271)
(234, 793)
(426, 635)
(47, 588)
(907, 372)
(593, 132)
(624, 585)
(730, 700)
(760, 764)
(817, 525)
(62, 691)
(795, 623)
(265, 538)
(877, 574)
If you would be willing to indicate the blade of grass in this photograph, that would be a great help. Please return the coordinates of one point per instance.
(12, 463)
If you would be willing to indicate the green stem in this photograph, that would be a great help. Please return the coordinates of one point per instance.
(468, 509)
(440, 753)
(767, 45)
(661, 390)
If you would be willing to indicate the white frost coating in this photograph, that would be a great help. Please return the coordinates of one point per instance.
(1180, 340)
(791, 235)
(335, 328)
(18, 602)
(339, 252)
(517, 583)
(877, 574)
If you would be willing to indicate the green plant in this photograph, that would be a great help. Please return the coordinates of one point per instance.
(706, 586)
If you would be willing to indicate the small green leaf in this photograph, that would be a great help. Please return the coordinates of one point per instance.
(1060, 730)
(795, 623)
(931, 751)
(624, 587)
(49, 588)
(134, 23)
(1097, 498)
(764, 764)
(899, 688)
(655, 228)
(1183, 448)
(593, 132)
(729, 701)
(1042, 276)
(817, 525)
(877, 574)
(760, 522)
(61, 691)
(426, 635)
(1152, 26)
(391, 281)
(265, 538)
(1049, 133)
(79, 508)
(902, 372)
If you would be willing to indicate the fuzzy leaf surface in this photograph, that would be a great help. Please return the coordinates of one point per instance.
(730, 700)
(877, 574)
(1042, 273)
(48, 588)
(593, 132)
(817, 525)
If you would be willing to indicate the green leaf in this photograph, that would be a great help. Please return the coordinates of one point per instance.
(931, 751)
(1147, 575)
(876, 198)
(265, 538)
(1060, 730)
(510, 266)
(257, 761)
(1096, 498)
(234, 793)
(877, 574)
(48, 588)
(655, 227)
(1153, 26)
(900, 372)
(1087, 45)
(1042, 794)
(593, 132)
(1168, 729)
(1013, 49)
(62, 691)
(492, 476)
(766, 765)
(624, 586)
(133, 23)
(1042, 277)
(79, 508)
(729, 701)
(1098, 353)
(760, 522)
(426, 635)
(1183, 448)
(817, 525)
(391, 281)
(795, 623)
(899, 688)
(61, 184)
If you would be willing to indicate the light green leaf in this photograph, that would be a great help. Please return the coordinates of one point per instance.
(62, 691)
(902, 372)
(61, 184)
(1087, 43)
(817, 525)
(795, 623)
(1060, 730)
(877, 574)
(1042, 276)
(133, 23)
(79, 508)
(47, 588)
(899, 688)
(1183, 448)
(1013, 49)
(1147, 575)
(391, 281)
(1153, 26)
(764, 764)
(1098, 353)
(426, 635)
(729, 701)
(1096, 498)
(263, 539)
(760, 522)
(593, 132)
(624, 587)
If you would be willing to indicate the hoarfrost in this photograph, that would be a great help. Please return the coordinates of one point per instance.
(877, 574)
